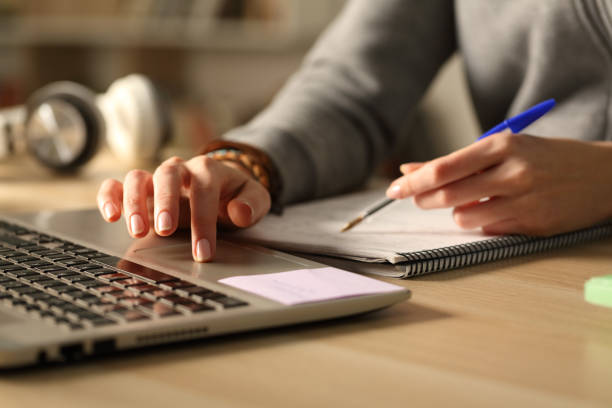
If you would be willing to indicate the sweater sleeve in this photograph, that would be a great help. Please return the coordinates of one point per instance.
(342, 112)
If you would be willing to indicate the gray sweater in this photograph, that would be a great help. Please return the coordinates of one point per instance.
(353, 97)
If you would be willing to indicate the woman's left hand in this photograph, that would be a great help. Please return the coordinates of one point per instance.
(516, 183)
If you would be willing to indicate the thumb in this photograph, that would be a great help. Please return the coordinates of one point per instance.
(250, 204)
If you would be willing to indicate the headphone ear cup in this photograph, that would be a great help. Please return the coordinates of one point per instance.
(136, 126)
(82, 100)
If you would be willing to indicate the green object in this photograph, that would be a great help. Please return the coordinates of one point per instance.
(598, 290)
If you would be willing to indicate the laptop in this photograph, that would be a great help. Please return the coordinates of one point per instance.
(73, 286)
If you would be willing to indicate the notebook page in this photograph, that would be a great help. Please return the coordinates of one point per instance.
(314, 227)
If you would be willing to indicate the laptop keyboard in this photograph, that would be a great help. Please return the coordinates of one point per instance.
(77, 287)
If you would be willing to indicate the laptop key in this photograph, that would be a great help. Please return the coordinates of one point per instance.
(77, 277)
(189, 306)
(69, 247)
(48, 283)
(150, 275)
(14, 271)
(107, 307)
(12, 284)
(143, 288)
(8, 252)
(108, 260)
(171, 299)
(120, 295)
(4, 279)
(74, 294)
(86, 300)
(97, 271)
(60, 307)
(192, 290)
(89, 283)
(78, 315)
(59, 290)
(56, 256)
(37, 297)
(228, 302)
(177, 284)
(35, 278)
(112, 277)
(70, 261)
(41, 251)
(129, 315)
(102, 290)
(83, 250)
(158, 309)
(126, 283)
(10, 266)
(93, 255)
(158, 294)
(135, 301)
(23, 290)
(203, 296)
(25, 259)
(14, 241)
(37, 263)
(20, 273)
(54, 301)
(13, 256)
(35, 248)
(60, 272)
(87, 266)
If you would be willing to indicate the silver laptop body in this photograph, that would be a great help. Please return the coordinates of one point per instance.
(55, 317)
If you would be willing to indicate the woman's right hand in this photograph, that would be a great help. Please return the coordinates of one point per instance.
(198, 192)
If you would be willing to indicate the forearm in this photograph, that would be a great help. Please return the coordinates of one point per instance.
(342, 112)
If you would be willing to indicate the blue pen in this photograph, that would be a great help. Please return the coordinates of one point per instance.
(515, 124)
(522, 120)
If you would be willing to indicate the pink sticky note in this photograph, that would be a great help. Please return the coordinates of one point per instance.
(309, 285)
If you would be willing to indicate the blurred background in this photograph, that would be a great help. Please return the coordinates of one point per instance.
(216, 62)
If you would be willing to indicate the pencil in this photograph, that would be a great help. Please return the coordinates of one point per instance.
(381, 204)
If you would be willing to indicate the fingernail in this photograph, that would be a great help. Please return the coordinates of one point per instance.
(109, 210)
(136, 224)
(164, 221)
(251, 210)
(394, 192)
(202, 250)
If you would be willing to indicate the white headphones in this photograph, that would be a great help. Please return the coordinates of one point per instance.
(63, 122)
(136, 120)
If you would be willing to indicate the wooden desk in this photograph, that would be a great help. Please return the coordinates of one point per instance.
(514, 333)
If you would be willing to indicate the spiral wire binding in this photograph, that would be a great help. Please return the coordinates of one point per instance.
(495, 249)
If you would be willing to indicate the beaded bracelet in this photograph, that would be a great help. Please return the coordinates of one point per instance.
(255, 161)
(244, 160)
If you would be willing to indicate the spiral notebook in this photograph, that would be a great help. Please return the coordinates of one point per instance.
(416, 241)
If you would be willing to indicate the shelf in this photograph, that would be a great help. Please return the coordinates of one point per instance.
(205, 34)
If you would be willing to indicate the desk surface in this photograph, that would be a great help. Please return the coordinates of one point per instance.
(512, 333)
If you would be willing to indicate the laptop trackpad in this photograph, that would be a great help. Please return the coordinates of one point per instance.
(231, 259)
